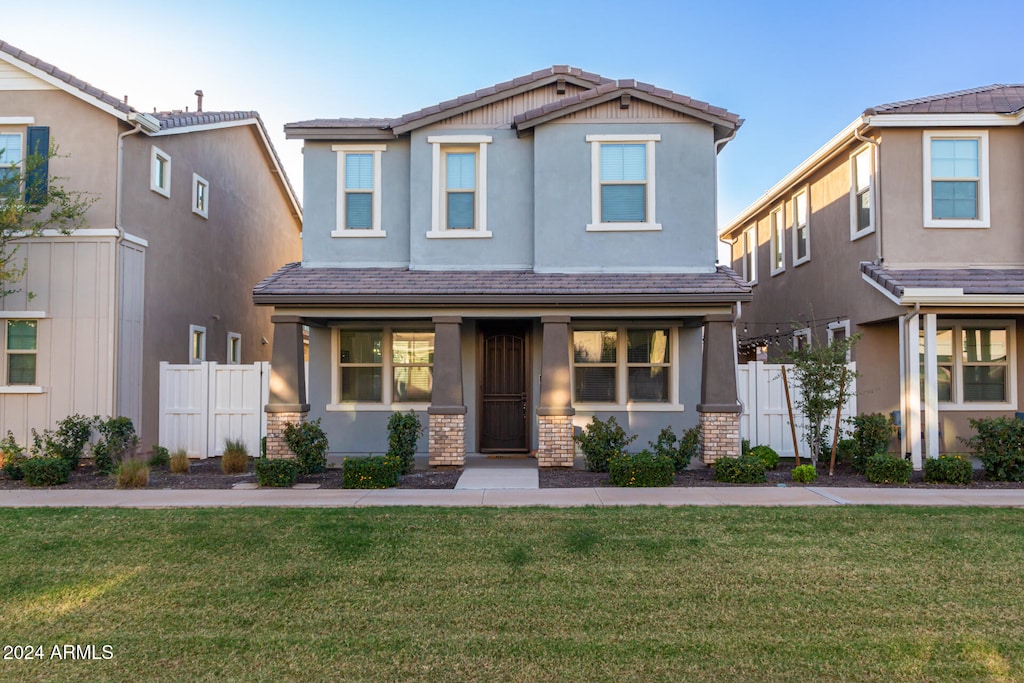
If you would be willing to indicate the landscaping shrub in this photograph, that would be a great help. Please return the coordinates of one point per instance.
(744, 446)
(767, 455)
(180, 463)
(805, 474)
(117, 441)
(883, 468)
(742, 470)
(679, 451)
(46, 471)
(67, 441)
(235, 458)
(999, 443)
(12, 457)
(161, 457)
(600, 441)
(948, 469)
(404, 430)
(846, 451)
(872, 433)
(374, 472)
(309, 443)
(278, 472)
(641, 469)
(133, 473)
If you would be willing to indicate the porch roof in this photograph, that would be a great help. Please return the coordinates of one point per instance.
(317, 286)
(915, 285)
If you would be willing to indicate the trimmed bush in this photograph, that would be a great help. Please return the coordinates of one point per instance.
(133, 473)
(404, 430)
(180, 463)
(846, 451)
(374, 472)
(601, 441)
(235, 458)
(12, 457)
(872, 433)
(117, 441)
(948, 469)
(999, 443)
(161, 457)
(309, 443)
(767, 455)
(679, 451)
(742, 470)
(883, 468)
(804, 474)
(67, 441)
(277, 472)
(641, 469)
(51, 471)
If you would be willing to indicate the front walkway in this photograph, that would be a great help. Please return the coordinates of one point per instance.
(599, 497)
(482, 472)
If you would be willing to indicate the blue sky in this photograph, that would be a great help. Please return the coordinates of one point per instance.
(798, 72)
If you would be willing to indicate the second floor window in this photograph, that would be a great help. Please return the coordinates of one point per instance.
(956, 179)
(460, 189)
(10, 164)
(861, 209)
(622, 182)
(160, 172)
(778, 236)
(459, 180)
(801, 230)
(359, 191)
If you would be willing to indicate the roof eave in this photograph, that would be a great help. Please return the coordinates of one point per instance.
(440, 301)
(877, 120)
(337, 133)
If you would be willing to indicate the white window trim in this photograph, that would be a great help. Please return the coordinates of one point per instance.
(157, 153)
(622, 373)
(854, 190)
(806, 191)
(5, 388)
(387, 388)
(595, 225)
(233, 336)
(843, 325)
(192, 330)
(438, 229)
(198, 180)
(804, 333)
(984, 216)
(1011, 367)
(20, 163)
(778, 232)
(376, 229)
(749, 238)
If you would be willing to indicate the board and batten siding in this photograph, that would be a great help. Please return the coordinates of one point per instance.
(131, 299)
(72, 282)
(503, 111)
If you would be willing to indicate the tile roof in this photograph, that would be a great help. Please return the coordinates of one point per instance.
(67, 78)
(178, 119)
(989, 99)
(296, 284)
(970, 280)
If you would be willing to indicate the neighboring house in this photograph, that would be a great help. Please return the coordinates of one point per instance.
(192, 210)
(508, 264)
(907, 228)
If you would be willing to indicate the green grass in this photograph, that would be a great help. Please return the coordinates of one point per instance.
(630, 594)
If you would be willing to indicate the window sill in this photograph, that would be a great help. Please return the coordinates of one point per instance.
(358, 233)
(854, 236)
(780, 271)
(21, 389)
(160, 191)
(802, 261)
(623, 227)
(631, 407)
(964, 407)
(455, 234)
(373, 407)
(955, 223)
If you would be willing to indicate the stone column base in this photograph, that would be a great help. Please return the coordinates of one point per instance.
(276, 446)
(447, 440)
(719, 436)
(554, 441)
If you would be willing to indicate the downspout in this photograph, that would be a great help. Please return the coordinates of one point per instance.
(877, 181)
(118, 187)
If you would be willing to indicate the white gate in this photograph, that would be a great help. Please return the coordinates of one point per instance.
(765, 419)
(204, 404)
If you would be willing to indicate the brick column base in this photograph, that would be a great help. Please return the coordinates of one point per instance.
(447, 440)
(276, 446)
(554, 441)
(719, 436)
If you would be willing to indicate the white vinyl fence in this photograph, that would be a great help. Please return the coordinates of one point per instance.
(765, 419)
(201, 405)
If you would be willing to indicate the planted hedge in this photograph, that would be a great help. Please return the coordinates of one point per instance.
(804, 474)
(999, 443)
(308, 442)
(277, 472)
(641, 469)
(742, 470)
(888, 469)
(601, 441)
(46, 471)
(948, 469)
(373, 472)
(765, 454)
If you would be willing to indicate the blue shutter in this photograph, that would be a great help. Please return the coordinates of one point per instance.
(38, 175)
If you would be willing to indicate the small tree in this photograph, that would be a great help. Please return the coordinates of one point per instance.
(824, 380)
(32, 201)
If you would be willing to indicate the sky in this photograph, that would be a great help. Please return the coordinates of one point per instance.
(797, 72)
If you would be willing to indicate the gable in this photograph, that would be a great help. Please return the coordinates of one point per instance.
(13, 78)
(638, 111)
(503, 112)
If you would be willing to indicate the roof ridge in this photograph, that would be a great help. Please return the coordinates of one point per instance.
(941, 96)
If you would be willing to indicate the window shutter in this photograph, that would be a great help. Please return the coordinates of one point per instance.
(37, 179)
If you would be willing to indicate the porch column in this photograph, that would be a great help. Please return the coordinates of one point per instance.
(913, 421)
(447, 413)
(287, 402)
(931, 388)
(719, 407)
(554, 410)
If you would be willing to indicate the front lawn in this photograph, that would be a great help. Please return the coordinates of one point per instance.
(647, 594)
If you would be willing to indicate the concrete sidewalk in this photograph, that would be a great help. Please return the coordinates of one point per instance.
(599, 497)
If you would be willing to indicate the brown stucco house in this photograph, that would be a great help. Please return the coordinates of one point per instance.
(907, 227)
(192, 209)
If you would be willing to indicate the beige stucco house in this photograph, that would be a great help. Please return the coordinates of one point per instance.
(192, 210)
(907, 227)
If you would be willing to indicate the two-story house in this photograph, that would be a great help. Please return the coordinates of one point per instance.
(508, 264)
(907, 228)
(191, 210)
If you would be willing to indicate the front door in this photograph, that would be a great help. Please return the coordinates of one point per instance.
(505, 401)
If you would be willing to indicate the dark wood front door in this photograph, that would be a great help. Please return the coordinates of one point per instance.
(505, 401)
